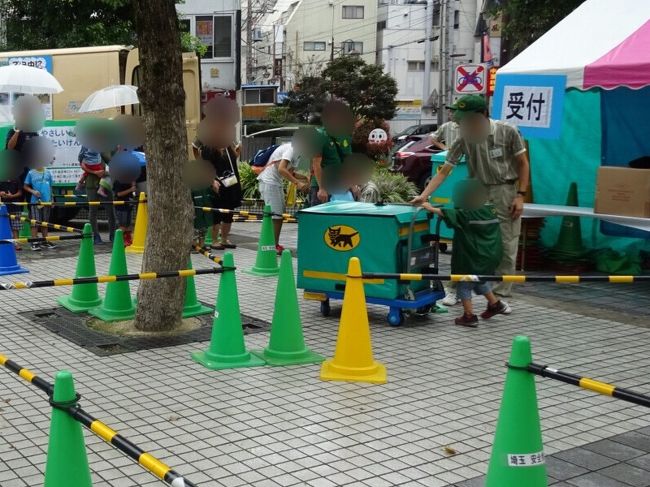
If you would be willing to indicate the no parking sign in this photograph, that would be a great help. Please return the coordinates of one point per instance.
(470, 79)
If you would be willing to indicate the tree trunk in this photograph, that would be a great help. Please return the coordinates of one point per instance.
(162, 97)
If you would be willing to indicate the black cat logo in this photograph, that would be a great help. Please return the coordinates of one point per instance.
(342, 238)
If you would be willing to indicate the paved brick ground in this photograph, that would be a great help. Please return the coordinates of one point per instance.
(283, 426)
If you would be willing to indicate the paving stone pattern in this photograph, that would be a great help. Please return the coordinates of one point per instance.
(269, 426)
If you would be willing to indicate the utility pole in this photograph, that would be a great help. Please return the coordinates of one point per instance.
(249, 41)
(426, 86)
(333, 11)
(449, 55)
(441, 60)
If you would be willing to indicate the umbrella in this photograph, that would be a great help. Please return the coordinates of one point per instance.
(110, 97)
(26, 79)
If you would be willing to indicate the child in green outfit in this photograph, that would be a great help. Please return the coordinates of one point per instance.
(476, 247)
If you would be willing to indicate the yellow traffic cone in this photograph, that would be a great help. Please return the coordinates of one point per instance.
(140, 230)
(353, 359)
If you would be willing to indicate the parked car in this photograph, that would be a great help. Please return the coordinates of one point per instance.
(414, 132)
(413, 160)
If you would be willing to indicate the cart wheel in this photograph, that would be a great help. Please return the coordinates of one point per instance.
(325, 308)
(423, 311)
(443, 247)
(395, 317)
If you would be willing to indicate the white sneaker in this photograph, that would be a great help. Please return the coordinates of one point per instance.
(507, 310)
(451, 299)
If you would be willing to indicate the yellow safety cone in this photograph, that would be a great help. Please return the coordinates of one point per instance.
(140, 229)
(353, 359)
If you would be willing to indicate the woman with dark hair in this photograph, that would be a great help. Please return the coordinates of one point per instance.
(226, 192)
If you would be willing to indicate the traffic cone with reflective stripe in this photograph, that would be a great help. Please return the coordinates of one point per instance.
(25, 227)
(192, 306)
(266, 262)
(8, 260)
(227, 349)
(67, 463)
(287, 344)
(117, 305)
(140, 228)
(517, 453)
(353, 359)
(83, 296)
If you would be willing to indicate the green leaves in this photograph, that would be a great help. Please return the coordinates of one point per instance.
(368, 91)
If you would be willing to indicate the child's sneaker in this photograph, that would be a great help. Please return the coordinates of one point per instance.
(470, 321)
(36, 247)
(279, 249)
(48, 245)
(498, 308)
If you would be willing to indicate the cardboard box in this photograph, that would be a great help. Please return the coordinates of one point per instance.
(623, 191)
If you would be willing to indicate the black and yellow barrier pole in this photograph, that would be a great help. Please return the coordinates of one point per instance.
(247, 215)
(507, 278)
(101, 429)
(53, 226)
(589, 384)
(74, 203)
(51, 238)
(214, 258)
(106, 279)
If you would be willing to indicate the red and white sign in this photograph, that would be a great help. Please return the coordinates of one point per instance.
(470, 79)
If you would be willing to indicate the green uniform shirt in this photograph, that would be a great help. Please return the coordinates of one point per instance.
(477, 240)
(493, 161)
(332, 150)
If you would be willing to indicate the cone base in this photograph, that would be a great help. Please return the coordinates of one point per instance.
(196, 310)
(112, 315)
(280, 359)
(260, 272)
(220, 362)
(375, 374)
(78, 306)
(16, 269)
(134, 249)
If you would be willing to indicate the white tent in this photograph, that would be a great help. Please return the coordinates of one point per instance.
(603, 43)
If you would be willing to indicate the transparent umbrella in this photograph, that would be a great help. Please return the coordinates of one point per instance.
(110, 97)
(27, 79)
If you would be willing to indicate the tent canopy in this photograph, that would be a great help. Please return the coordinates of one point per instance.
(602, 44)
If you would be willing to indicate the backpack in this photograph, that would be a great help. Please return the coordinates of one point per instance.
(262, 156)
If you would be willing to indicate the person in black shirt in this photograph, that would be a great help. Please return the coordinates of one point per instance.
(226, 191)
(12, 190)
(123, 213)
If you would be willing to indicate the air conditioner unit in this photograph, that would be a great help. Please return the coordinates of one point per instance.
(258, 36)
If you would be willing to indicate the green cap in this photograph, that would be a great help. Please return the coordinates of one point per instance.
(468, 104)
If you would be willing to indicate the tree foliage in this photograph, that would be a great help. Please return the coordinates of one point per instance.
(527, 20)
(38, 24)
(368, 91)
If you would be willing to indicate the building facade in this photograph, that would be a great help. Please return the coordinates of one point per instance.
(316, 31)
(217, 24)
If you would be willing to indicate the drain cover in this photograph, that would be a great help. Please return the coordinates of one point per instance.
(73, 327)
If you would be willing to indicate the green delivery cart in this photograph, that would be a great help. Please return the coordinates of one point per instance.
(386, 238)
(442, 196)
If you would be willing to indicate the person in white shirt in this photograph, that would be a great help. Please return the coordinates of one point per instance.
(282, 165)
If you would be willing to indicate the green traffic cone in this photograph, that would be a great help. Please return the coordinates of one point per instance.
(517, 453)
(83, 296)
(266, 262)
(67, 463)
(26, 227)
(208, 237)
(569, 242)
(192, 306)
(117, 305)
(227, 349)
(287, 344)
